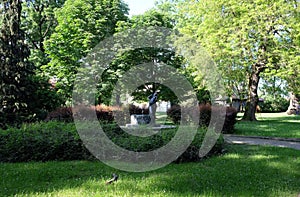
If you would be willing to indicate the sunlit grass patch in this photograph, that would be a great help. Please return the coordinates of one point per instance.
(271, 124)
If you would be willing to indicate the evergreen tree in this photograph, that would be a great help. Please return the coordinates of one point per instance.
(15, 68)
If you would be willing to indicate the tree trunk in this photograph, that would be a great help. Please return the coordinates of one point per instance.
(294, 105)
(252, 101)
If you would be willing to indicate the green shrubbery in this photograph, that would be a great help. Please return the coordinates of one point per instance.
(41, 142)
(60, 141)
(278, 104)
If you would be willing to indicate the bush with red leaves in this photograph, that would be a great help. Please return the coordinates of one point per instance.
(174, 113)
(103, 113)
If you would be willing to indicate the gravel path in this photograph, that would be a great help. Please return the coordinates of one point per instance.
(256, 140)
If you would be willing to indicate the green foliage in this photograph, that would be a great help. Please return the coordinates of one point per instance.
(60, 141)
(131, 58)
(146, 144)
(149, 18)
(273, 90)
(39, 22)
(245, 38)
(277, 104)
(16, 70)
(82, 24)
(42, 142)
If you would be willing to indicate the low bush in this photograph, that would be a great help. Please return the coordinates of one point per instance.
(42, 142)
(163, 137)
(205, 111)
(230, 120)
(133, 109)
(60, 141)
(274, 105)
(104, 113)
(174, 113)
(63, 114)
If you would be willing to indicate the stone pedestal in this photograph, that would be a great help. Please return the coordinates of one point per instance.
(137, 122)
(139, 119)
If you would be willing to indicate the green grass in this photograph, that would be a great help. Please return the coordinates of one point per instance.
(272, 125)
(162, 118)
(244, 171)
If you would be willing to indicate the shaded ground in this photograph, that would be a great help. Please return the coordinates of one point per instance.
(243, 171)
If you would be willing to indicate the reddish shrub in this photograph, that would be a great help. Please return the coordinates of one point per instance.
(63, 114)
(230, 120)
(133, 109)
(174, 113)
(103, 113)
(205, 114)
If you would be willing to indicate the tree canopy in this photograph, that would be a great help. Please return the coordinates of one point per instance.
(16, 70)
(245, 38)
(82, 24)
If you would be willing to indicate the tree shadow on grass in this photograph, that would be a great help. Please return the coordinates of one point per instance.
(249, 173)
(276, 127)
(245, 171)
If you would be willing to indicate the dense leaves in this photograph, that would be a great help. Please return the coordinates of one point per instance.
(15, 69)
(245, 38)
(39, 22)
(124, 61)
(82, 24)
(60, 141)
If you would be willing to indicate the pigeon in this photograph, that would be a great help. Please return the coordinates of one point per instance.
(114, 178)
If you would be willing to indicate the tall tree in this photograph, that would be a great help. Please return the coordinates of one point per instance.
(15, 68)
(253, 37)
(82, 24)
(39, 22)
(129, 59)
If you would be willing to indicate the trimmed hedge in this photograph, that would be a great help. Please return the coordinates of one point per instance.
(60, 141)
(42, 142)
(174, 113)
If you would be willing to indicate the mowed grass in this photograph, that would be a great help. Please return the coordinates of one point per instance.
(271, 124)
(243, 171)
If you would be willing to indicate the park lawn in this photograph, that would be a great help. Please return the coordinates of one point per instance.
(243, 171)
(272, 125)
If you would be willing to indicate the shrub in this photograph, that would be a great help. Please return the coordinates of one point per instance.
(274, 105)
(42, 142)
(133, 109)
(230, 120)
(63, 114)
(205, 114)
(103, 113)
(60, 141)
(154, 142)
(192, 152)
(174, 113)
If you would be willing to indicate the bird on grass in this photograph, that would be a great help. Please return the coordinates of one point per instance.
(113, 179)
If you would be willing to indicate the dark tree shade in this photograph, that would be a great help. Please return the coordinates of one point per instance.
(14, 66)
